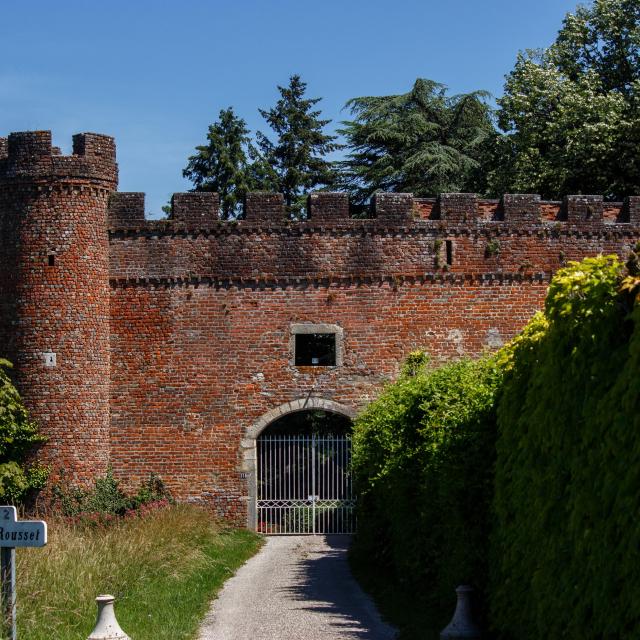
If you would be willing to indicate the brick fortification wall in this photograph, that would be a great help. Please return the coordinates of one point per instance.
(202, 311)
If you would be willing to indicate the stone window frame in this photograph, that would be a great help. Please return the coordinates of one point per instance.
(301, 328)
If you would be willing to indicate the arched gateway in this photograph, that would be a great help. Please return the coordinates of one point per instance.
(299, 480)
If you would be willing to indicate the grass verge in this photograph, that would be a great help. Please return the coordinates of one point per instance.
(163, 569)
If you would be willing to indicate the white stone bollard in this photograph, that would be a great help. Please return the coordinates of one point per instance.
(107, 627)
(462, 625)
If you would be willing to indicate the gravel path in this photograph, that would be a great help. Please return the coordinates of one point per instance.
(295, 588)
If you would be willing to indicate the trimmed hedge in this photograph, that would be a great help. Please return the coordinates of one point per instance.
(551, 493)
(422, 458)
(566, 539)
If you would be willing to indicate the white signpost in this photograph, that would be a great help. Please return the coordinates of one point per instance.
(27, 533)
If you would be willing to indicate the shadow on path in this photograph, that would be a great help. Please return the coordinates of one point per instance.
(295, 588)
(324, 580)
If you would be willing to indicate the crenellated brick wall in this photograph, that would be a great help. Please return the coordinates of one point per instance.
(197, 313)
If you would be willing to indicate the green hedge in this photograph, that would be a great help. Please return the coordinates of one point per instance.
(547, 501)
(423, 455)
(566, 540)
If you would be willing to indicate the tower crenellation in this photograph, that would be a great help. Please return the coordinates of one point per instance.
(31, 155)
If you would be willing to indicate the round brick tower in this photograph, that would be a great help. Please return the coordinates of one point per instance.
(54, 296)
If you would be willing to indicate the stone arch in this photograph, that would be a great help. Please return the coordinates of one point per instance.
(249, 456)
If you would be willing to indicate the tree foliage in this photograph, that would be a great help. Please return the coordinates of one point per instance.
(294, 163)
(571, 113)
(222, 164)
(604, 39)
(18, 436)
(423, 142)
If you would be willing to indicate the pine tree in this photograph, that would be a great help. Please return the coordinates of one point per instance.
(422, 142)
(222, 164)
(294, 163)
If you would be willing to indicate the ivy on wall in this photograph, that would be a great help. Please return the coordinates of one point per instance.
(566, 538)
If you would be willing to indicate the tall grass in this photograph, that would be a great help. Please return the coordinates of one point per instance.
(163, 569)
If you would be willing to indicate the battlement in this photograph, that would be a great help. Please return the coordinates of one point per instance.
(126, 209)
(30, 155)
(200, 210)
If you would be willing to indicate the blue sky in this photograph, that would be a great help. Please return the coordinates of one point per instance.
(154, 74)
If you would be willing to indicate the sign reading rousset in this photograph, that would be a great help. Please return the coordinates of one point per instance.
(28, 533)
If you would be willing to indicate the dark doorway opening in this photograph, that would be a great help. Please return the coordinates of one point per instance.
(310, 421)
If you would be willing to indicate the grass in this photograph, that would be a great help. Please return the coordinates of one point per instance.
(163, 570)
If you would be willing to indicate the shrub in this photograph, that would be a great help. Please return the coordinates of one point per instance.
(423, 454)
(18, 436)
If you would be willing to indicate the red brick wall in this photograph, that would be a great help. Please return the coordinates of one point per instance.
(201, 311)
(196, 366)
(173, 337)
(356, 250)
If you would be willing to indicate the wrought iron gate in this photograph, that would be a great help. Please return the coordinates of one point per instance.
(304, 484)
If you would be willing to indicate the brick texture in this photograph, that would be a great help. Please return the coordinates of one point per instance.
(54, 261)
(173, 337)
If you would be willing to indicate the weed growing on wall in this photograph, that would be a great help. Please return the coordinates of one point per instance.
(106, 500)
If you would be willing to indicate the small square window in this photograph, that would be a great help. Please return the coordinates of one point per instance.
(315, 350)
(316, 344)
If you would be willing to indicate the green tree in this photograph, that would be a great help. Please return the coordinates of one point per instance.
(18, 436)
(571, 114)
(423, 142)
(222, 164)
(294, 163)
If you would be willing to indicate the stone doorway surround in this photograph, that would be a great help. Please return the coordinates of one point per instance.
(248, 443)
